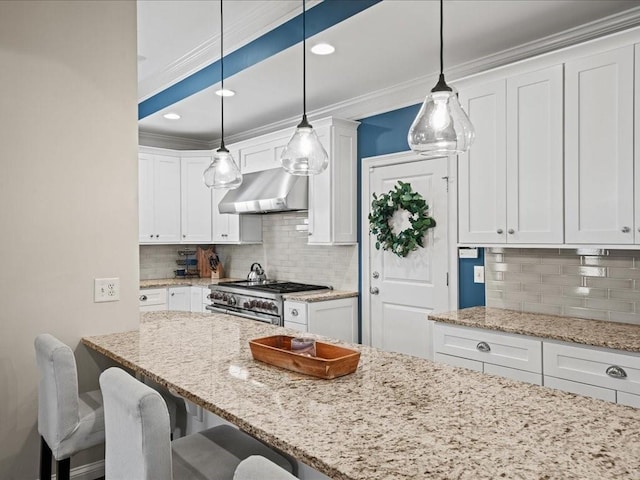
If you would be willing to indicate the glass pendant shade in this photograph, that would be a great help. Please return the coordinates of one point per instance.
(441, 127)
(223, 171)
(304, 154)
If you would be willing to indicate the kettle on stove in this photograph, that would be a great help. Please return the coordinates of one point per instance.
(256, 273)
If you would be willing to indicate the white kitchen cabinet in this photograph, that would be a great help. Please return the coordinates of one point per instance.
(196, 302)
(159, 198)
(232, 228)
(195, 205)
(261, 153)
(535, 157)
(179, 299)
(508, 355)
(601, 373)
(332, 193)
(637, 146)
(599, 148)
(482, 169)
(511, 180)
(153, 299)
(332, 318)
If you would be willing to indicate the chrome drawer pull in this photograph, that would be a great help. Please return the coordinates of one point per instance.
(483, 347)
(294, 313)
(143, 298)
(616, 372)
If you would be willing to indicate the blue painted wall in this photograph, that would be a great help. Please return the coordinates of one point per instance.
(387, 133)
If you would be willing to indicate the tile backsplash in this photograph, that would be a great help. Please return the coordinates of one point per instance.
(588, 283)
(284, 254)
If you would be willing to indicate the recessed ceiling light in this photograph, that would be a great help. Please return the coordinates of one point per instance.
(323, 49)
(225, 93)
(171, 116)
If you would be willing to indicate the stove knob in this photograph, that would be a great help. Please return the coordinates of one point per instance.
(225, 297)
(264, 305)
(253, 303)
(232, 300)
(273, 307)
(246, 304)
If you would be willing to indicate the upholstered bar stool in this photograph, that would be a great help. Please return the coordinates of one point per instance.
(68, 422)
(138, 445)
(257, 467)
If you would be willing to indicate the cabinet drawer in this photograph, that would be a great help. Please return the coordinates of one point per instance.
(295, 312)
(513, 374)
(153, 296)
(458, 362)
(580, 388)
(513, 351)
(624, 398)
(295, 326)
(590, 365)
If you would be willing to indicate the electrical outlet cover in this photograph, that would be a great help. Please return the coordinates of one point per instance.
(106, 290)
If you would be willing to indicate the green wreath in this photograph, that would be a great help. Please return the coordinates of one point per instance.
(384, 206)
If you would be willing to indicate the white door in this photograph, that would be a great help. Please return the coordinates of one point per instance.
(403, 291)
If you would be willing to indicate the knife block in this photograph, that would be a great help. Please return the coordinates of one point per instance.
(219, 273)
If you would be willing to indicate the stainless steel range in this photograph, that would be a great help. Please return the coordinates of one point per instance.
(263, 301)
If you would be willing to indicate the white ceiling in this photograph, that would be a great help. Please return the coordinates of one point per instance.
(388, 45)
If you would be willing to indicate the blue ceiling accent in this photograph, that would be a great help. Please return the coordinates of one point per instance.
(321, 17)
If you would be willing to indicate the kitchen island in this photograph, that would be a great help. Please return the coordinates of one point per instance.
(396, 417)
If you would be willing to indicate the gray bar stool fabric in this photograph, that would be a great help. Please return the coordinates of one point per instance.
(256, 467)
(68, 422)
(138, 445)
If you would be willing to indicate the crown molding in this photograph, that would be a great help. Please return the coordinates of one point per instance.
(240, 32)
(412, 91)
(158, 140)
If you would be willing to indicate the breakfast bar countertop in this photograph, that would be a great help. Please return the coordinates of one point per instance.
(597, 333)
(396, 417)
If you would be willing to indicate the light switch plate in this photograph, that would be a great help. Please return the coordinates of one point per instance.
(106, 290)
(478, 274)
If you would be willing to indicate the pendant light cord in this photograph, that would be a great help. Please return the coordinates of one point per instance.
(304, 61)
(441, 39)
(221, 77)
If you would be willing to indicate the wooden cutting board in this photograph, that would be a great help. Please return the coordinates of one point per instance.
(203, 255)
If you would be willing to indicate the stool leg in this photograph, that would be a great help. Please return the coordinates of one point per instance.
(63, 470)
(45, 460)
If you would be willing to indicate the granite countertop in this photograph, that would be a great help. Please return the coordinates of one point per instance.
(396, 417)
(597, 333)
(183, 282)
(320, 297)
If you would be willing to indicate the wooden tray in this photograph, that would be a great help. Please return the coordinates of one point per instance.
(330, 361)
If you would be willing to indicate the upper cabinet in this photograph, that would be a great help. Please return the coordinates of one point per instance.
(332, 193)
(159, 198)
(262, 153)
(195, 205)
(232, 228)
(554, 161)
(510, 186)
(599, 148)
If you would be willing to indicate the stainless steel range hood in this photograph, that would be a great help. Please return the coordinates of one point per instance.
(272, 190)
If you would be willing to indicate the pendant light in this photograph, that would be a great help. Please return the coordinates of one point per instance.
(442, 127)
(223, 171)
(304, 154)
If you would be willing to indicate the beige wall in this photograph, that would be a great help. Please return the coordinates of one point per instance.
(68, 194)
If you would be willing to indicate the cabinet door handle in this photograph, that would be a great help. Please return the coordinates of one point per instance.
(172, 294)
(483, 347)
(151, 236)
(616, 372)
(157, 235)
(626, 229)
(375, 275)
(294, 313)
(143, 298)
(499, 231)
(374, 290)
(184, 235)
(511, 231)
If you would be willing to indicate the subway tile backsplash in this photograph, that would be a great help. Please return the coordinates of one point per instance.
(588, 283)
(284, 254)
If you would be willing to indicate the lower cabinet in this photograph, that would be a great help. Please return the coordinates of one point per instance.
(507, 355)
(180, 299)
(601, 373)
(153, 299)
(332, 318)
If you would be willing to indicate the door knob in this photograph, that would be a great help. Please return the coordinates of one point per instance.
(374, 291)
(375, 275)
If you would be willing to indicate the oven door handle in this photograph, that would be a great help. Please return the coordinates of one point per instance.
(244, 315)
